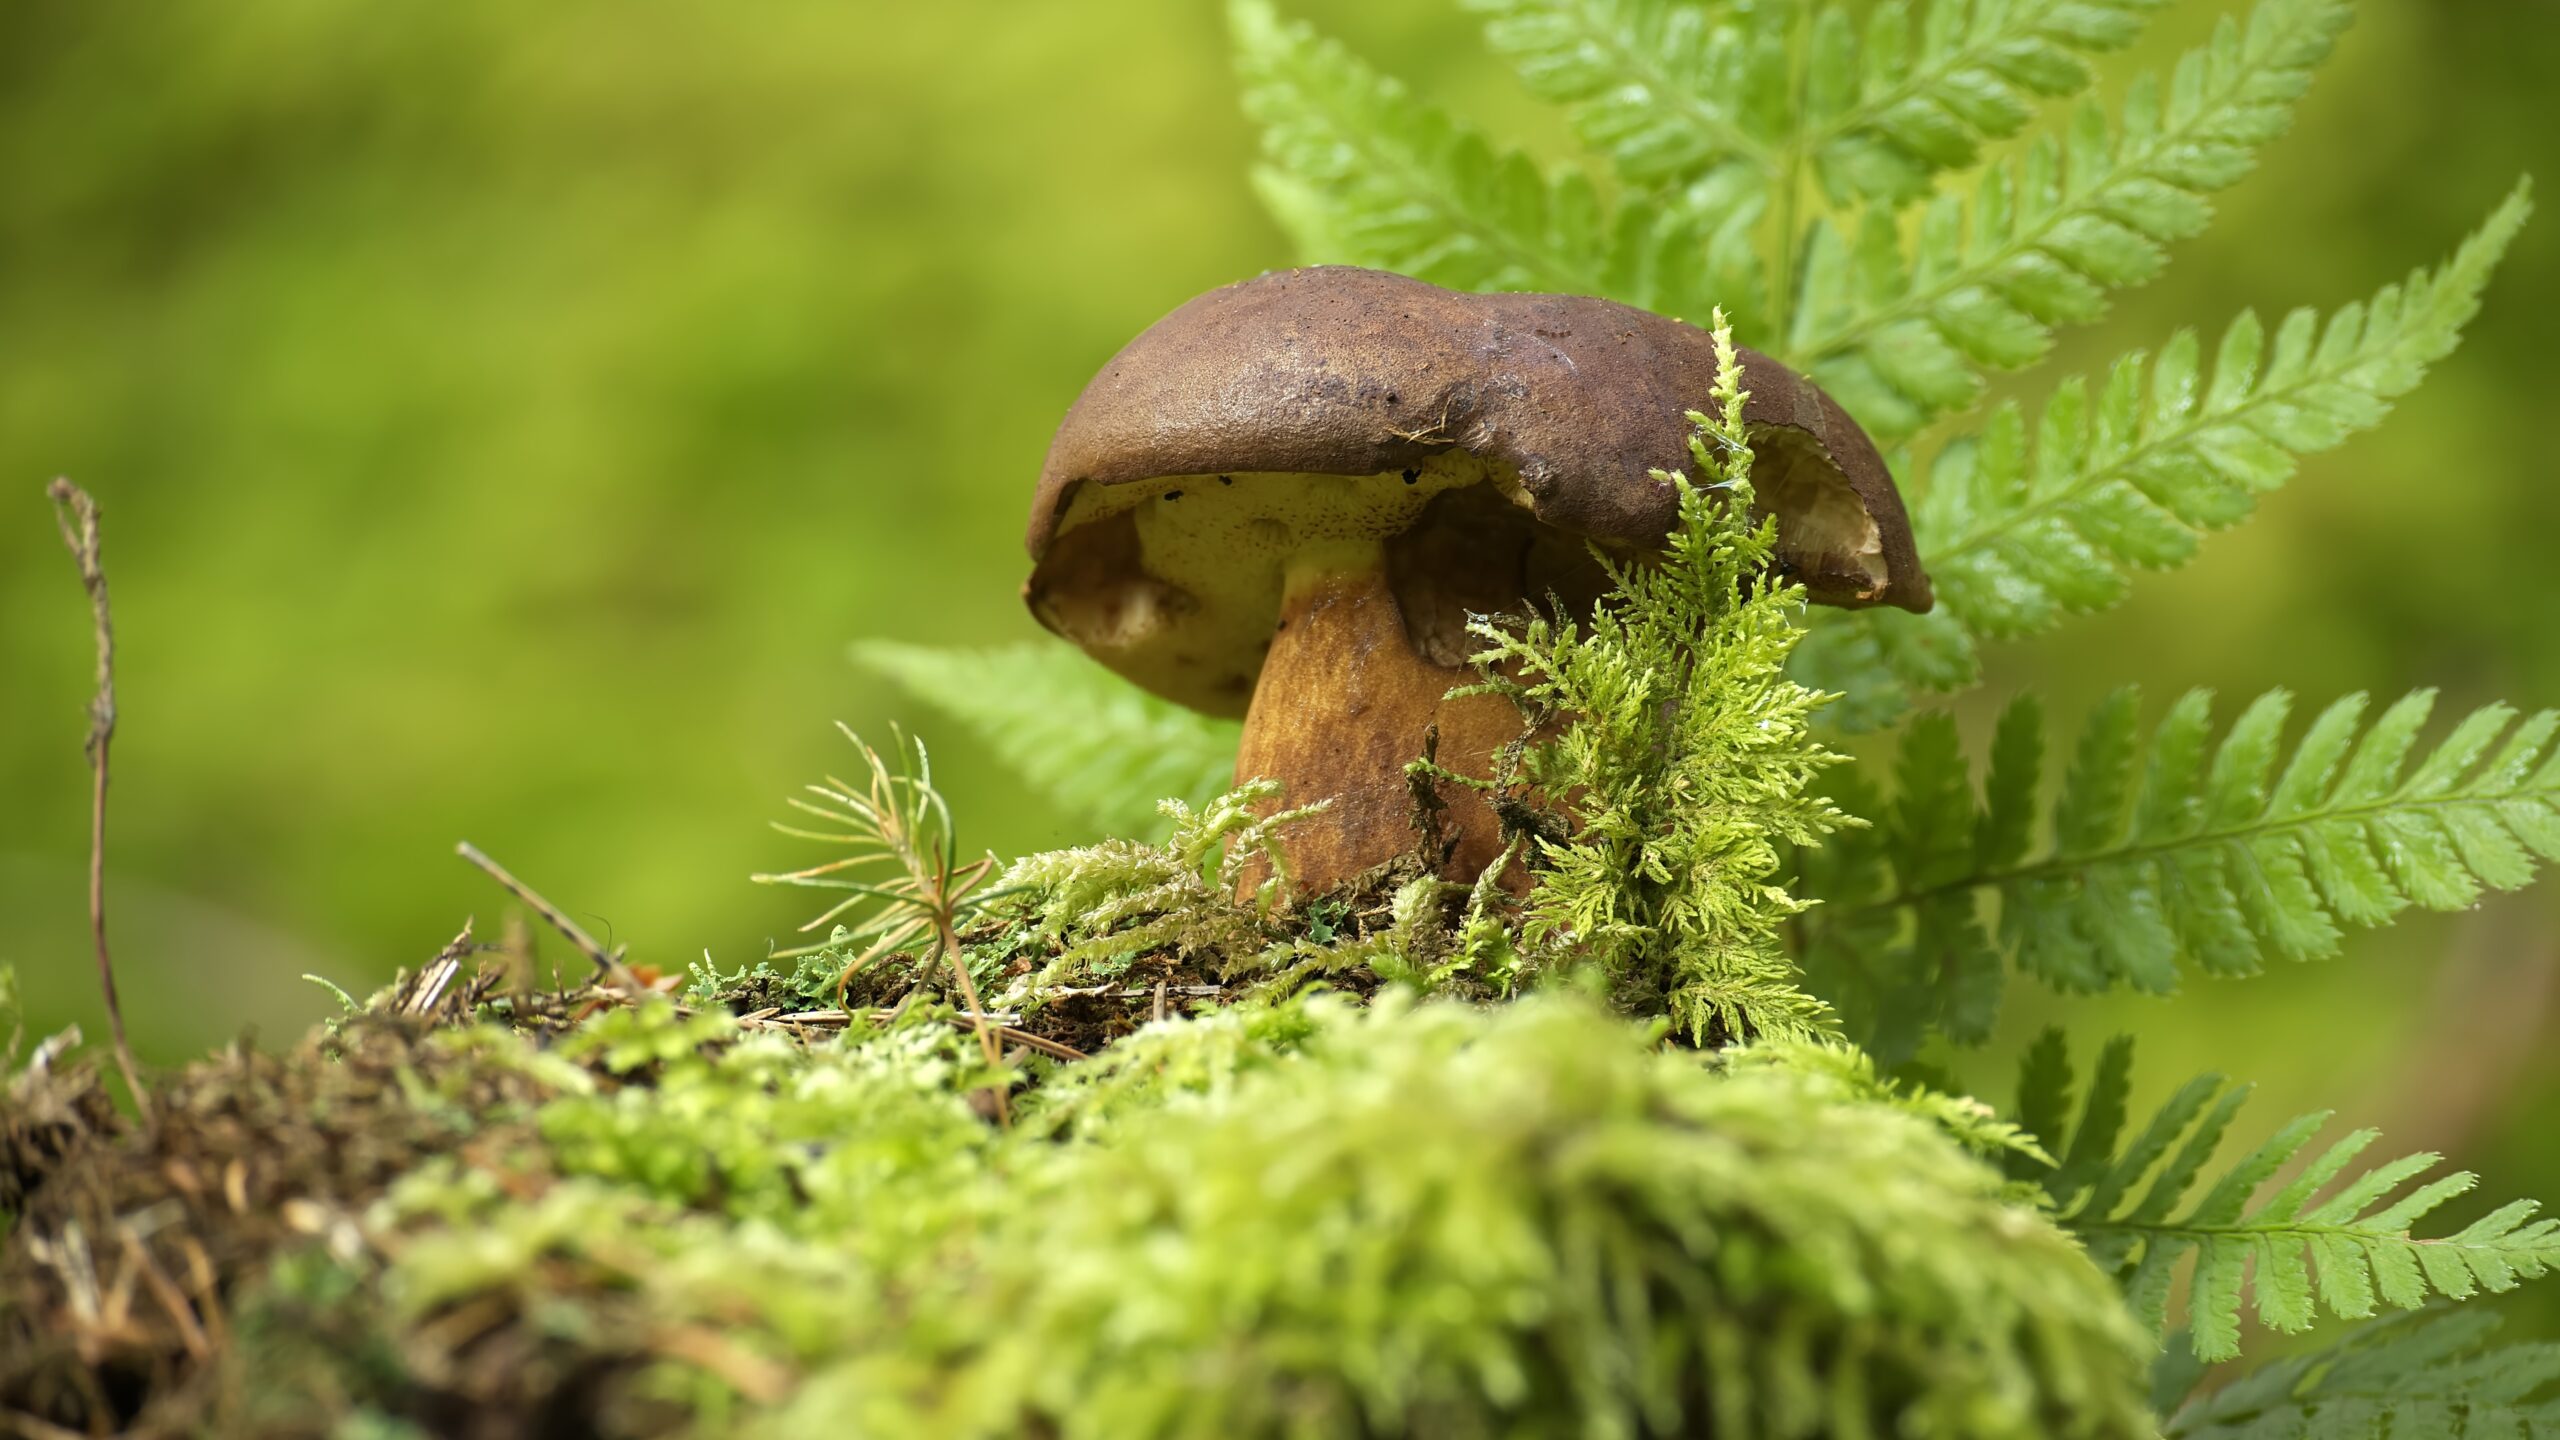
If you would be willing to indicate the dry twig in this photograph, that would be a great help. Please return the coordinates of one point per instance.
(606, 962)
(76, 514)
(173, 1301)
(1054, 1049)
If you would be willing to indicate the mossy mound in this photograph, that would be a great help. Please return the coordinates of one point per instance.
(1308, 1217)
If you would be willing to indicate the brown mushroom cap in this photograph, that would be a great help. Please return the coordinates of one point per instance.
(1338, 404)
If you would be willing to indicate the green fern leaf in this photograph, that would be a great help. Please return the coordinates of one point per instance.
(1671, 91)
(2331, 1238)
(1712, 105)
(1952, 954)
(2406, 1377)
(1365, 173)
(1929, 93)
(2023, 524)
(2021, 530)
(2168, 847)
(1099, 748)
(1900, 337)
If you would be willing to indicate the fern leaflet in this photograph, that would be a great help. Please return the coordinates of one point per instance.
(1676, 93)
(2405, 1377)
(2329, 1238)
(1096, 746)
(2164, 847)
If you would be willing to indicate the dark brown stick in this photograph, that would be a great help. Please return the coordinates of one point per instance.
(76, 514)
(1055, 1049)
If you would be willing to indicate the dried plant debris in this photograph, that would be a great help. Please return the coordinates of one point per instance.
(129, 1248)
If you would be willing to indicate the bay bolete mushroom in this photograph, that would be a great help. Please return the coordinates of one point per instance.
(1283, 500)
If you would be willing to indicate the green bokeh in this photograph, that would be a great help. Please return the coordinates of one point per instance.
(506, 414)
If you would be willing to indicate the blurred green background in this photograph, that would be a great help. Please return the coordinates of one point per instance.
(506, 414)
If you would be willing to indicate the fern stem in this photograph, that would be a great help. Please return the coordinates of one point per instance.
(2236, 835)
(2200, 1233)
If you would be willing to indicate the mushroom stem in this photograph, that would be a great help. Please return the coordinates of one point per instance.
(1344, 703)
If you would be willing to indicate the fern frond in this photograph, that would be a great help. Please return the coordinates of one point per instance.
(2021, 530)
(2169, 846)
(1707, 103)
(2331, 1238)
(1359, 165)
(2405, 1377)
(1930, 90)
(1900, 333)
(1096, 746)
(2024, 523)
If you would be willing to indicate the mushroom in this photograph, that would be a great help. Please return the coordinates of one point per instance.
(1284, 500)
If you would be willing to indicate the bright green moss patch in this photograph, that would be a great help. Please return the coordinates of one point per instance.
(1309, 1217)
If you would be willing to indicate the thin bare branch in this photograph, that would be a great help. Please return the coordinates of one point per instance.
(606, 962)
(75, 513)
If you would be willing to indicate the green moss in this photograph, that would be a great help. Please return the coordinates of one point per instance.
(1305, 1218)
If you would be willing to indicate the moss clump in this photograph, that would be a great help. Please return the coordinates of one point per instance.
(1448, 1221)
(1304, 1217)
(1080, 948)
